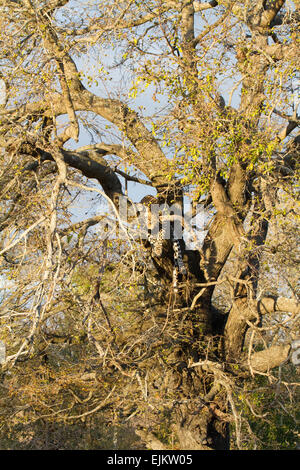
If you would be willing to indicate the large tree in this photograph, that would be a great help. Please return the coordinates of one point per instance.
(195, 100)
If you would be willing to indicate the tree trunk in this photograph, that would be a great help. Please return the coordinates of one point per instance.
(198, 420)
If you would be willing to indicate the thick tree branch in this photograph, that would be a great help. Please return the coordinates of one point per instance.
(91, 168)
(225, 231)
(264, 361)
(277, 304)
(201, 6)
(149, 159)
(285, 132)
(113, 149)
(102, 148)
(244, 311)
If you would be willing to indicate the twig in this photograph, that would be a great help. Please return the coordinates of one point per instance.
(98, 407)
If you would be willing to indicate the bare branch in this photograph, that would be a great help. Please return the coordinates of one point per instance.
(94, 410)
(23, 235)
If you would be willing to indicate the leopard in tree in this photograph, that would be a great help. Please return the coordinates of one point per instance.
(156, 241)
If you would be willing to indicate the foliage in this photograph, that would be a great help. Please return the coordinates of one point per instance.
(108, 341)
